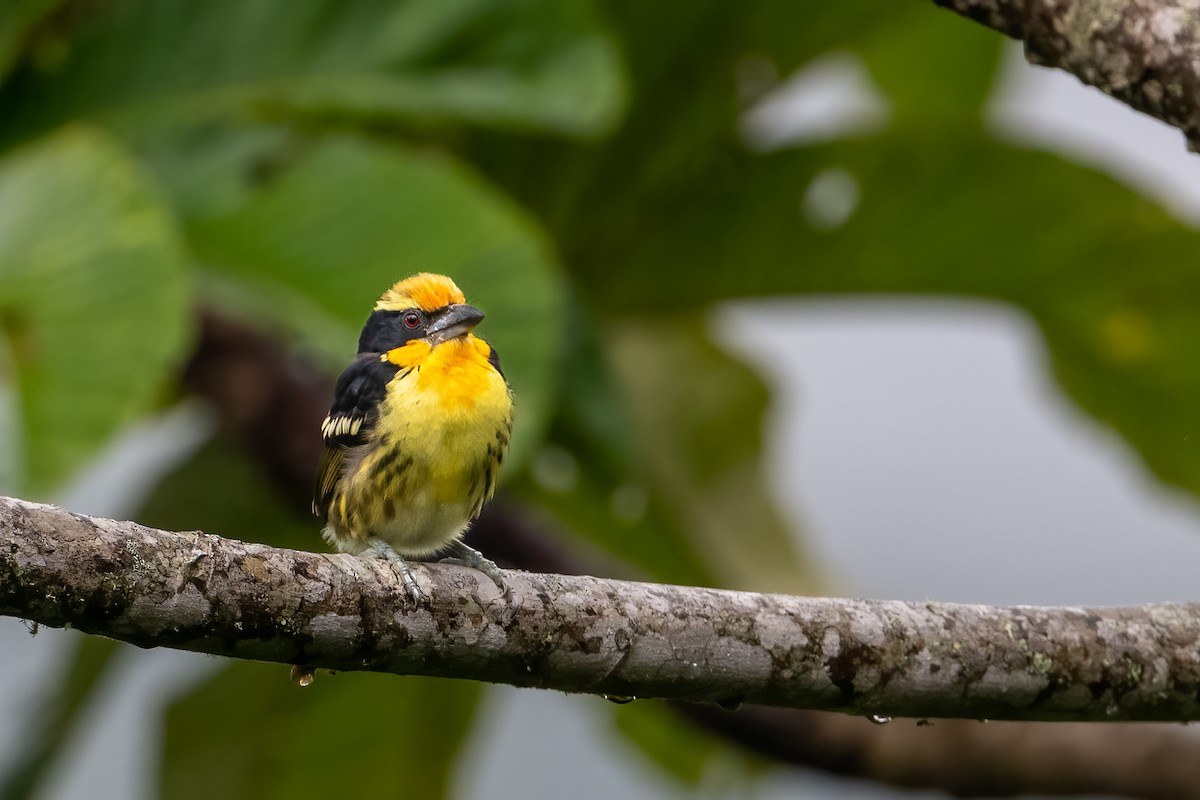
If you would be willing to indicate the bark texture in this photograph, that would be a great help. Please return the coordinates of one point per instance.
(195, 591)
(1145, 53)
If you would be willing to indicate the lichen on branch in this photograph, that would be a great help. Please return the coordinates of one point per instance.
(1145, 53)
(199, 592)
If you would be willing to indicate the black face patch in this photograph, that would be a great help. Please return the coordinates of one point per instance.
(387, 330)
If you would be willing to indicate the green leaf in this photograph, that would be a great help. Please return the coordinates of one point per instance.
(618, 512)
(344, 219)
(590, 474)
(655, 457)
(934, 67)
(93, 297)
(251, 508)
(1106, 275)
(682, 750)
(699, 416)
(534, 65)
(251, 732)
(695, 65)
(933, 214)
(541, 64)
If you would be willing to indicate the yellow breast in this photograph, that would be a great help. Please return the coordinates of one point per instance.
(455, 374)
(452, 382)
(434, 454)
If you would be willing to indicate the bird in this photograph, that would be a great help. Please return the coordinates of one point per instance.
(416, 433)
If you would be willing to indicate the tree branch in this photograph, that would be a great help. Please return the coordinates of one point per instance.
(195, 591)
(1145, 53)
(965, 758)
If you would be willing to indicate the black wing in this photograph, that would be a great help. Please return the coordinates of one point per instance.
(494, 359)
(355, 409)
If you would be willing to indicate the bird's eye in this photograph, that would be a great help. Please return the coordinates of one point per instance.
(412, 319)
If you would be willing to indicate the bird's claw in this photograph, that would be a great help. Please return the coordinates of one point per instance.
(466, 556)
(383, 550)
(414, 592)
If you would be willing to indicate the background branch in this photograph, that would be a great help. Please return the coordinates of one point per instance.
(967, 758)
(580, 634)
(1145, 53)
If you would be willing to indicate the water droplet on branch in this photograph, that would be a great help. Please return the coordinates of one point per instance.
(302, 675)
(619, 699)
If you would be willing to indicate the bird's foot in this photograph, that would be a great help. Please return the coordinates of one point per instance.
(467, 556)
(381, 549)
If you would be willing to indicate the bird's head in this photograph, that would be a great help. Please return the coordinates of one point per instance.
(424, 306)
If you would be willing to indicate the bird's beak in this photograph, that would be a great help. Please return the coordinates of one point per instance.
(456, 320)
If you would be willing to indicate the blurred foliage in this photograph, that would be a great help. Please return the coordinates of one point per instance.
(75, 211)
(531, 64)
(580, 169)
(362, 734)
(87, 663)
(251, 509)
(680, 750)
(16, 18)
